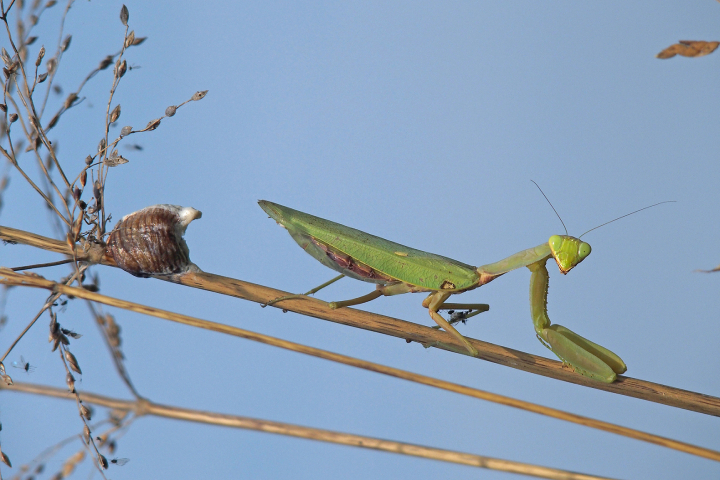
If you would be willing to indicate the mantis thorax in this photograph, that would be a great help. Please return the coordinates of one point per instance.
(568, 251)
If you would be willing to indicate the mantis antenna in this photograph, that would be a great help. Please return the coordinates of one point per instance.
(551, 206)
(628, 214)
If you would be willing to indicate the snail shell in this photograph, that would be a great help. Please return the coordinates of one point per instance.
(149, 242)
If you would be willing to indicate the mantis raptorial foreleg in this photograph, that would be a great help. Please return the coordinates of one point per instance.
(582, 355)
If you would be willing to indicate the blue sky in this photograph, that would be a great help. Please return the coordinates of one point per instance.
(422, 123)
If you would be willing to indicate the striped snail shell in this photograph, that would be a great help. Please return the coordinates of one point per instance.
(149, 242)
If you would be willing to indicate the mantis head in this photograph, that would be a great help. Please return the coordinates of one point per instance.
(568, 251)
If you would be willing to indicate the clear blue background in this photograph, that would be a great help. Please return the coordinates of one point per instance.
(422, 123)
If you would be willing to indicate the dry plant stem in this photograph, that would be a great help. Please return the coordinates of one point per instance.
(18, 279)
(632, 387)
(145, 407)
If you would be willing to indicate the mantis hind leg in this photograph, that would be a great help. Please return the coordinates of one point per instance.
(300, 295)
(433, 303)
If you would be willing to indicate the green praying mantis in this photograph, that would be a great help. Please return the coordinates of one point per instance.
(397, 269)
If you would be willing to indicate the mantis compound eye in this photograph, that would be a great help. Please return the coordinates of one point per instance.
(583, 251)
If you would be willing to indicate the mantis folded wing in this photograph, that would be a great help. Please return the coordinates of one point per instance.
(397, 269)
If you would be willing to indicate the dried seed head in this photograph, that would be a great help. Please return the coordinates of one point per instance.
(66, 43)
(114, 160)
(115, 114)
(101, 145)
(83, 177)
(76, 193)
(86, 412)
(51, 64)
(53, 121)
(42, 77)
(6, 378)
(102, 461)
(3, 107)
(40, 56)
(70, 381)
(13, 117)
(170, 111)
(86, 434)
(153, 124)
(88, 160)
(121, 69)
(139, 40)
(124, 17)
(199, 95)
(126, 130)
(149, 242)
(72, 361)
(105, 62)
(130, 39)
(70, 100)
(5, 459)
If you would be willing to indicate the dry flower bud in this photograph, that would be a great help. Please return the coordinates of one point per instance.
(130, 39)
(5, 459)
(115, 160)
(83, 177)
(77, 193)
(149, 242)
(126, 130)
(66, 43)
(6, 379)
(13, 117)
(102, 461)
(115, 114)
(153, 124)
(86, 412)
(42, 77)
(105, 62)
(3, 107)
(124, 17)
(88, 160)
(53, 121)
(86, 434)
(122, 69)
(82, 205)
(70, 380)
(70, 100)
(199, 95)
(101, 145)
(30, 40)
(170, 111)
(51, 3)
(51, 64)
(72, 360)
(40, 56)
(139, 40)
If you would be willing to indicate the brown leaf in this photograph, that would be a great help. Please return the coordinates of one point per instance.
(689, 48)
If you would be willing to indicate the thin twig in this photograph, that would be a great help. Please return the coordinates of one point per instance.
(145, 407)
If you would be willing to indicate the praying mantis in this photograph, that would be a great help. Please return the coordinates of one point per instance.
(398, 269)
